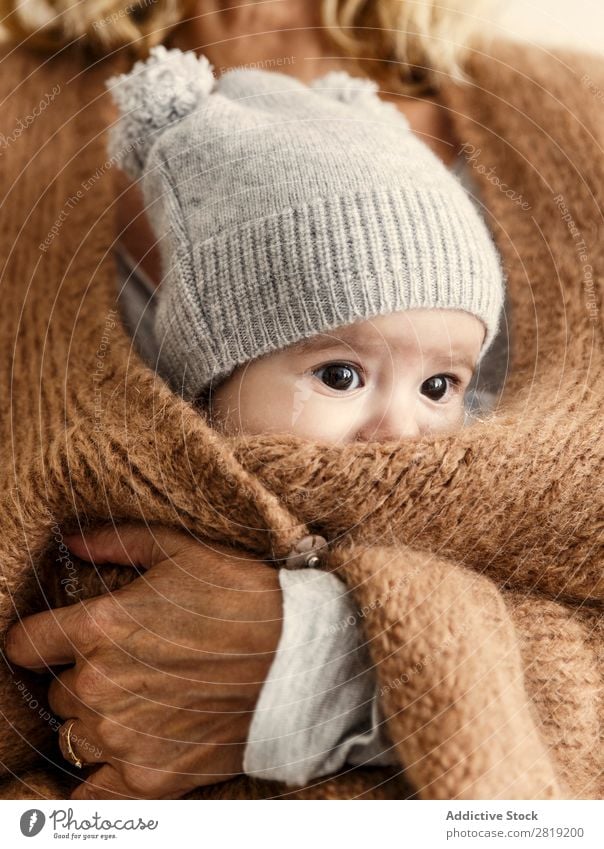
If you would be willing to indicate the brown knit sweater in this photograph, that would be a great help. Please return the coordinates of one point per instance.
(477, 557)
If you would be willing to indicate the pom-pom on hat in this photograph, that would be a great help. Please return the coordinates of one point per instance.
(285, 210)
(155, 94)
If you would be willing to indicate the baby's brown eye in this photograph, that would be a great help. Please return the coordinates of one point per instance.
(340, 376)
(435, 387)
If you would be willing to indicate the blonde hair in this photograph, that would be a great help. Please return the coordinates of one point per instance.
(404, 43)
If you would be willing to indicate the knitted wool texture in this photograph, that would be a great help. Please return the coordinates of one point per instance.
(477, 558)
(285, 210)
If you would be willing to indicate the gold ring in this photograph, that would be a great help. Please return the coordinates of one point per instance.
(72, 755)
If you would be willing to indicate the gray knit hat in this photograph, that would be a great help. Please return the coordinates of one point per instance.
(285, 210)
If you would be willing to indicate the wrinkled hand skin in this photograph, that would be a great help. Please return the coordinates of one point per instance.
(167, 670)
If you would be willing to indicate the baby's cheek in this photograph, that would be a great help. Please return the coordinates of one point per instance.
(448, 419)
(316, 416)
(272, 404)
(319, 419)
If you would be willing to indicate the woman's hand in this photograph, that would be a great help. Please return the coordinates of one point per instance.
(168, 669)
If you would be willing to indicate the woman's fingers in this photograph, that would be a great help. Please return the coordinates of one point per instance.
(139, 783)
(124, 545)
(105, 783)
(62, 699)
(139, 692)
(47, 638)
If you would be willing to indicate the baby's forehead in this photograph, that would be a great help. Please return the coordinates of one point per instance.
(396, 330)
(336, 338)
(443, 335)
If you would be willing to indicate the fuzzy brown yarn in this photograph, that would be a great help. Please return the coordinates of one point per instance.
(476, 559)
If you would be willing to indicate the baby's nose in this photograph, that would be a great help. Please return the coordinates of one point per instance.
(391, 427)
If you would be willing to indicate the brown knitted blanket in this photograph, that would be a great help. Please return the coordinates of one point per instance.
(476, 559)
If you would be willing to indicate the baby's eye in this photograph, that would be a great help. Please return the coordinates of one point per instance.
(437, 386)
(340, 376)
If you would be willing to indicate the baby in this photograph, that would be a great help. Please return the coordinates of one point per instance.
(324, 273)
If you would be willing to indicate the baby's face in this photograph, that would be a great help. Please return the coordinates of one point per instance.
(394, 376)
